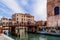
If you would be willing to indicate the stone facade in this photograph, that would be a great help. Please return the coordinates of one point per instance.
(6, 22)
(53, 19)
(23, 18)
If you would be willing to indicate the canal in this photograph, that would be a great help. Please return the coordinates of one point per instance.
(30, 36)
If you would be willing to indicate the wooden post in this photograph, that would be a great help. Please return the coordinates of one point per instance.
(1, 30)
(13, 30)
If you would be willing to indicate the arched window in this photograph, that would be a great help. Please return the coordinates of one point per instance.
(56, 10)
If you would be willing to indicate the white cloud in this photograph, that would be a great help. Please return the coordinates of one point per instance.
(24, 2)
(3, 10)
(0, 17)
(14, 6)
(39, 9)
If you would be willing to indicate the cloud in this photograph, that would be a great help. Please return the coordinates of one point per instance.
(5, 10)
(24, 2)
(13, 5)
(39, 9)
(0, 17)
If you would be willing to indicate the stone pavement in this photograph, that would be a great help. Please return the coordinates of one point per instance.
(4, 37)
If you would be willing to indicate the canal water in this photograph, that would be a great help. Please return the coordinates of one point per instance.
(30, 36)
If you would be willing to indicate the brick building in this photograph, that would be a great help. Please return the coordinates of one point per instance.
(53, 13)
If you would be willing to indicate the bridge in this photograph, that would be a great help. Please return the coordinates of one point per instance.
(12, 28)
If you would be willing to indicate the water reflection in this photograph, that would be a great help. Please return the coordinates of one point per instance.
(23, 35)
(43, 37)
(26, 36)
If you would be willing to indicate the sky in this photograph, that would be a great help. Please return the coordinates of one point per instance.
(37, 8)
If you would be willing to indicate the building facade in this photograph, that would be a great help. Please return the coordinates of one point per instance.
(41, 23)
(53, 13)
(6, 22)
(23, 18)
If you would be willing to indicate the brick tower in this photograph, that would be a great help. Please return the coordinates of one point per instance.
(53, 14)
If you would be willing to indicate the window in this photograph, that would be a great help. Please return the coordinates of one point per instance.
(3, 22)
(17, 14)
(22, 15)
(22, 19)
(3, 19)
(28, 22)
(56, 10)
(17, 21)
(22, 22)
(17, 18)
